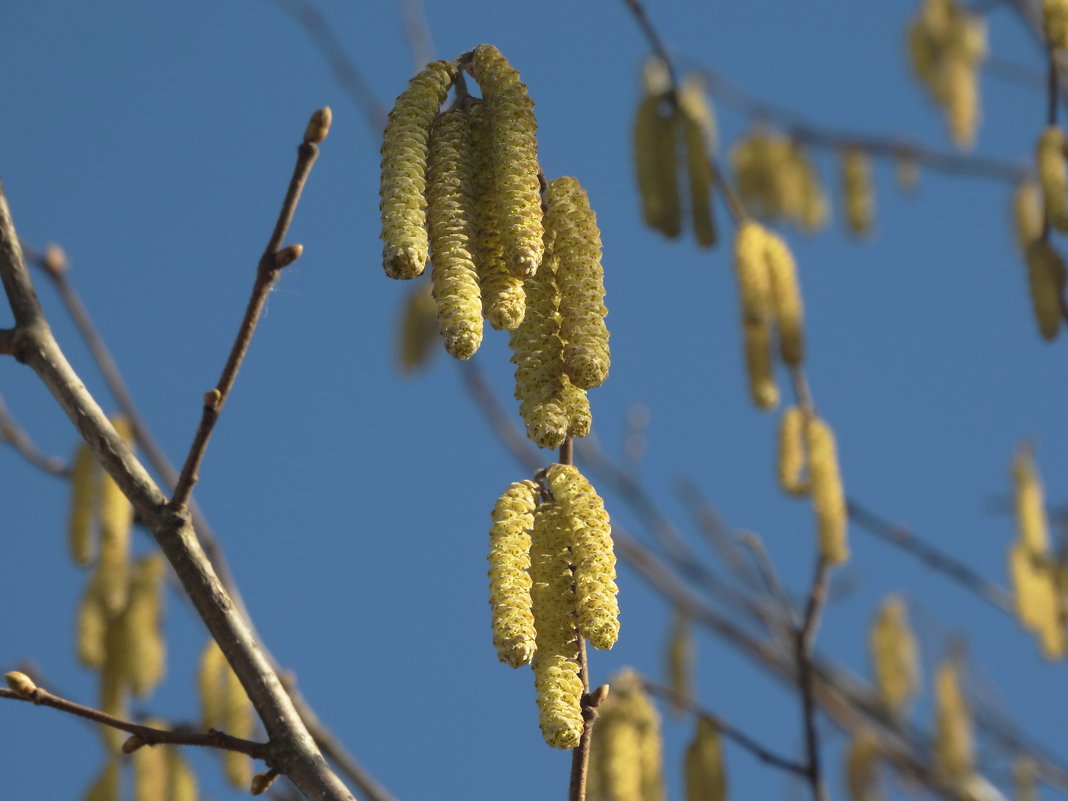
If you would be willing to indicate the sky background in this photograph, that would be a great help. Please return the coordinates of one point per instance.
(154, 141)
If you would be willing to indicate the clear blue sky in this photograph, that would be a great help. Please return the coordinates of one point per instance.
(154, 142)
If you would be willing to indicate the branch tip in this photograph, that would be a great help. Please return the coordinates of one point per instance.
(598, 696)
(21, 684)
(54, 260)
(318, 126)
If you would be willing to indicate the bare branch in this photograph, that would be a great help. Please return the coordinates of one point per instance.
(13, 434)
(806, 636)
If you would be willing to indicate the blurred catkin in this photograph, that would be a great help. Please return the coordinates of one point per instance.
(681, 655)
(954, 745)
(1027, 213)
(509, 559)
(828, 498)
(107, 784)
(754, 288)
(85, 484)
(1046, 281)
(237, 721)
(894, 657)
(861, 763)
(858, 191)
(451, 228)
(626, 754)
(699, 136)
(555, 664)
(791, 461)
(786, 300)
(1053, 175)
(656, 153)
(150, 769)
(1055, 21)
(92, 626)
(144, 629)
(418, 328)
(515, 160)
(404, 163)
(116, 522)
(706, 779)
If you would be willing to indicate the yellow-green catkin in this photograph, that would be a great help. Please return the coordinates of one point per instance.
(754, 288)
(627, 749)
(656, 155)
(450, 224)
(107, 784)
(116, 522)
(210, 685)
(1055, 21)
(954, 742)
(144, 626)
(1029, 501)
(706, 779)
(814, 209)
(861, 763)
(181, 779)
(404, 163)
(418, 328)
(91, 627)
(509, 559)
(786, 300)
(592, 554)
(894, 657)
(766, 172)
(555, 662)
(515, 160)
(1053, 175)
(503, 299)
(698, 135)
(150, 777)
(84, 485)
(538, 353)
(577, 408)
(791, 461)
(1046, 281)
(580, 280)
(763, 390)
(828, 497)
(681, 655)
(858, 190)
(237, 720)
(114, 680)
(1027, 213)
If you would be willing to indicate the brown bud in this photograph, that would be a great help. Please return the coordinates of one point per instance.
(54, 260)
(318, 126)
(262, 781)
(287, 256)
(598, 696)
(133, 742)
(212, 398)
(21, 684)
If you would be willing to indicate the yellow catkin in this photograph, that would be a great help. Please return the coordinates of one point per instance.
(515, 160)
(1046, 281)
(814, 209)
(1029, 502)
(698, 134)
(706, 779)
(555, 662)
(617, 746)
(503, 299)
(116, 522)
(1055, 21)
(762, 387)
(404, 161)
(150, 777)
(450, 223)
(828, 498)
(144, 626)
(577, 409)
(750, 266)
(181, 781)
(418, 328)
(92, 626)
(861, 763)
(580, 280)
(962, 101)
(538, 353)
(771, 175)
(1053, 175)
(680, 659)
(1034, 580)
(894, 657)
(858, 190)
(592, 554)
(1024, 772)
(237, 721)
(107, 785)
(791, 462)
(954, 746)
(210, 685)
(84, 485)
(509, 559)
(1027, 213)
(631, 749)
(656, 164)
(786, 300)
(114, 680)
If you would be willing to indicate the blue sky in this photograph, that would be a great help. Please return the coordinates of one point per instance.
(154, 142)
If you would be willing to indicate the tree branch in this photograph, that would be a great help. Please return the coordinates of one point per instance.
(806, 637)
(13, 434)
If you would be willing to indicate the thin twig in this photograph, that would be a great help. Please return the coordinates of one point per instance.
(806, 637)
(725, 728)
(770, 576)
(13, 434)
(148, 734)
(273, 260)
(417, 33)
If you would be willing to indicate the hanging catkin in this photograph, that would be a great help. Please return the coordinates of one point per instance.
(627, 750)
(1055, 22)
(786, 300)
(1046, 280)
(450, 224)
(894, 657)
(515, 160)
(509, 558)
(1027, 213)
(656, 154)
(116, 522)
(861, 761)
(404, 162)
(706, 779)
(828, 498)
(791, 462)
(680, 662)
(954, 746)
(698, 135)
(592, 554)
(84, 484)
(555, 661)
(1053, 175)
(144, 632)
(858, 189)
(754, 287)
(418, 328)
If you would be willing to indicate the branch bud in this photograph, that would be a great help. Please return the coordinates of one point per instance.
(212, 398)
(262, 781)
(54, 260)
(21, 684)
(598, 696)
(133, 743)
(287, 256)
(318, 126)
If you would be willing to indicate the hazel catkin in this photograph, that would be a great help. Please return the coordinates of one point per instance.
(828, 498)
(858, 189)
(786, 300)
(450, 224)
(515, 159)
(894, 657)
(580, 279)
(146, 646)
(1055, 22)
(703, 768)
(84, 483)
(1053, 175)
(954, 744)
(791, 461)
(592, 554)
(698, 135)
(1027, 213)
(656, 164)
(1046, 281)
(404, 162)
(116, 523)
(509, 559)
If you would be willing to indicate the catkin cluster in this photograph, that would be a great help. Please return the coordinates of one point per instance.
(667, 118)
(777, 180)
(770, 298)
(894, 657)
(626, 752)
(224, 706)
(1036, 576)
(947, 47)
(552, 580)
(807, 443)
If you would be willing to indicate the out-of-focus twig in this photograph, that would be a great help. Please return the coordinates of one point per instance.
(806, 637)
(417, 33)
(15, 436)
